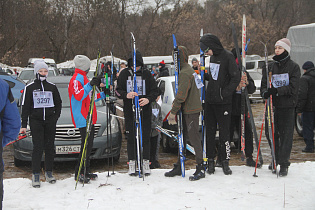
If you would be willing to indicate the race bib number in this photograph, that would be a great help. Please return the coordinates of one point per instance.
(280, 80)
(43, 99)
(214, 69)
(155, 112)
(198, 81)
(140, 85)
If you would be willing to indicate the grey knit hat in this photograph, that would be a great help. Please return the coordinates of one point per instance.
(39, 64)
(82, 62)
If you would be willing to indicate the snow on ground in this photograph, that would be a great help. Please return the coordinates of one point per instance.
(239, 191)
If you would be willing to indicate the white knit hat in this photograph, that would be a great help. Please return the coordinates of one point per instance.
(82, 62)
(39, 64)
(285, 43)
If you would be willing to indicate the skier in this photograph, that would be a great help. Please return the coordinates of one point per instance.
(223, 79)
(246, 81)
(306, 104)
(42, 106)
(79, 90)
(147, 94)
(285, 82)
(163, 70)
(10, 124)
(156, 120)
(188, 100)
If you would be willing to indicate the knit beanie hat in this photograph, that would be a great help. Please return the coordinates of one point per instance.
(308, 65)
(39, 64)
(162, 63)
(285, 43)
(82, 62)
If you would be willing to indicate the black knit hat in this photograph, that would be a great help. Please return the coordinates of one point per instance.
(308, 65)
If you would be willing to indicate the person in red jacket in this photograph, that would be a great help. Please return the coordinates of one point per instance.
(80, 89)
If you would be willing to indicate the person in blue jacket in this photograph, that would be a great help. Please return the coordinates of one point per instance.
(10, 124)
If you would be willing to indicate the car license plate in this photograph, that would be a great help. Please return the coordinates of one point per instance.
(71, 149)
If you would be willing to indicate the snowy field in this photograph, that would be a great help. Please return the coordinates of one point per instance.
(239, 191)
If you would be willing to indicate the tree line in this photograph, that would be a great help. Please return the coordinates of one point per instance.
(61, 29)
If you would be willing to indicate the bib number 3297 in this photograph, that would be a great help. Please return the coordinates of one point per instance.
(43, 99)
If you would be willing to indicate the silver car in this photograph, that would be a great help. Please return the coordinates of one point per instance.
(68, 139)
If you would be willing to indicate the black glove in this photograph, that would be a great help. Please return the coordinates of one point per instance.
(96, 80)
(107, 91)
(266, 95)
(272, 91)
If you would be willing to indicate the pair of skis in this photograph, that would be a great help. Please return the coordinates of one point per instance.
(244, 93)
(89, 124)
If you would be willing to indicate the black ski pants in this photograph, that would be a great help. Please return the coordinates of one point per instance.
(89, 147)
(43, 137)
(308, 129)
(236, 126)
(283, 134)
(218, 114)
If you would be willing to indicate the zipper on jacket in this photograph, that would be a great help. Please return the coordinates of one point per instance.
(221, 94)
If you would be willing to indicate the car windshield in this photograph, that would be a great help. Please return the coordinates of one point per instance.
(63, 91)
(29, 74)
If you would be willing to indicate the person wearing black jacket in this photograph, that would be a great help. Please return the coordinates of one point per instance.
(306, 104)
(41, 105)
(163, 70)
(223, 79)
(285, 83)
(147, 92)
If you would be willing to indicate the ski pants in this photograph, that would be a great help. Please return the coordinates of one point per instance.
(43, 137)
(236, 125)
(88, 150)
(308, 129)
(131, 132)
(283, 134)
(191, 131)
(218, 114)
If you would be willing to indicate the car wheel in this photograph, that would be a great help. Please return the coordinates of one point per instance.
(165, 143)
(299, 125)
(18, 162)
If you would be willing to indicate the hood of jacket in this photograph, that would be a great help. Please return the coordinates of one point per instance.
(212, 42)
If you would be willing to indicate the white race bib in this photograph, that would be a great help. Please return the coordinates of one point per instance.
(214, 69)
(155, 112)
(198, 81)
(140, 85)
(43, 99)
(279, 80)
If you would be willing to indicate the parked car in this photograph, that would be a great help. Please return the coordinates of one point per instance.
(68, 139)
(16, 84)
(167, 86)
(28, 73)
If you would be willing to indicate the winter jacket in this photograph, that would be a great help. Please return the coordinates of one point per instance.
(10, 122)
(220, 91)
(306, 97)
(164, 72)
(41, 114)
(188, 95)
(236, 99)
(80, 91)
(156, 118)
(287, 95)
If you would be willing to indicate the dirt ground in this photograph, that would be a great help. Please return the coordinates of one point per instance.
(66, 169)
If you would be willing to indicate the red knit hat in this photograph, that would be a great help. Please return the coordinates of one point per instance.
(162, 62)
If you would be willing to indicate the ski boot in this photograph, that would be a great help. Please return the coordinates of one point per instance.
(49, 177)
(146, 167)
(174, 172)
(250, 162)
(211, 168)
(132, 168)
(226, 168)
(91, 176)
(199, 173)
(283, 171)
(218, 163)
(35, 180)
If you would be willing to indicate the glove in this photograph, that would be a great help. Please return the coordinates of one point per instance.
(107, 91)
(96, 81)
(272, 91)
(266, 95)
(171, 119)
